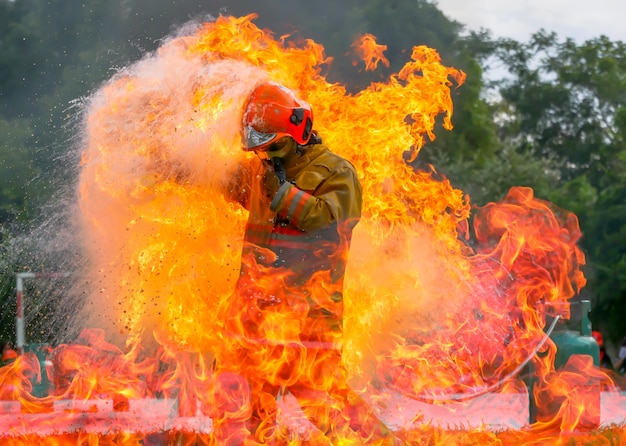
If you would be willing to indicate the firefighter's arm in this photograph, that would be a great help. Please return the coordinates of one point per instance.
(337, 198)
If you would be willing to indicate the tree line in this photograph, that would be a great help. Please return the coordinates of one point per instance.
(554, 120)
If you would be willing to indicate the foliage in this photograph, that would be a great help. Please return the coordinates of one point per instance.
(490, 181)
(569, 99)
(567, 102)
(557, 121)
(17, 171)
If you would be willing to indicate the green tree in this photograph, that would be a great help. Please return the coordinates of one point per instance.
(567, 102)
(567, 99)
(17, 171)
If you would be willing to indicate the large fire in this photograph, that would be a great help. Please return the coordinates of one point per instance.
(428, 314)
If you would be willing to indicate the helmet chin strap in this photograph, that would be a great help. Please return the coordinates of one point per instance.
(279, 170)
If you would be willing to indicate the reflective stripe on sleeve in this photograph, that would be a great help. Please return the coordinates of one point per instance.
(298, 202)
(294, 202)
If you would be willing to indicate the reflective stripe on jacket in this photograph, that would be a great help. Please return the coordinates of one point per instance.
(322, 191)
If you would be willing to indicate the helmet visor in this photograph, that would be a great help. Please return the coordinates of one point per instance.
(253, 139)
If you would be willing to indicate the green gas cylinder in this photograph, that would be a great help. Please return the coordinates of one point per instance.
(588, 390)
(568, 343)
(41, 383)
(572, 342)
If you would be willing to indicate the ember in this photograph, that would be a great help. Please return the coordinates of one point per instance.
(429, 318)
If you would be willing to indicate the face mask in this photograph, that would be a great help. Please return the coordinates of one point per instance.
(280, 148)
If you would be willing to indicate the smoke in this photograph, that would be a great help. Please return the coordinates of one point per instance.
(160, 147)
(404, 286)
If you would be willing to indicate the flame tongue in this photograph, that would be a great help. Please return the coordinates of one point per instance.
(159, 188)
(425, 314)
(526, 258)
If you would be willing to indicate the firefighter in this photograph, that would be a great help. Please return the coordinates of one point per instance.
(303, 202)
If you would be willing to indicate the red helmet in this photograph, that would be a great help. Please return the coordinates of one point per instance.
(272, 112)
(9, 354)
(597, 336)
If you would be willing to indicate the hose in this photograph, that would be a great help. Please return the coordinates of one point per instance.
(512, 374)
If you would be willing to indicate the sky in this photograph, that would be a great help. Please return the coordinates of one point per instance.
(578, 19)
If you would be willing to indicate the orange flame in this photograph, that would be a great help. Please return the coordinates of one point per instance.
(426, 314)
(370, 52)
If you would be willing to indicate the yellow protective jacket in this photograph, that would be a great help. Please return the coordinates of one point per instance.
(307, 224)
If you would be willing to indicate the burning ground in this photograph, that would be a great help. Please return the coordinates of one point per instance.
(444, 302)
